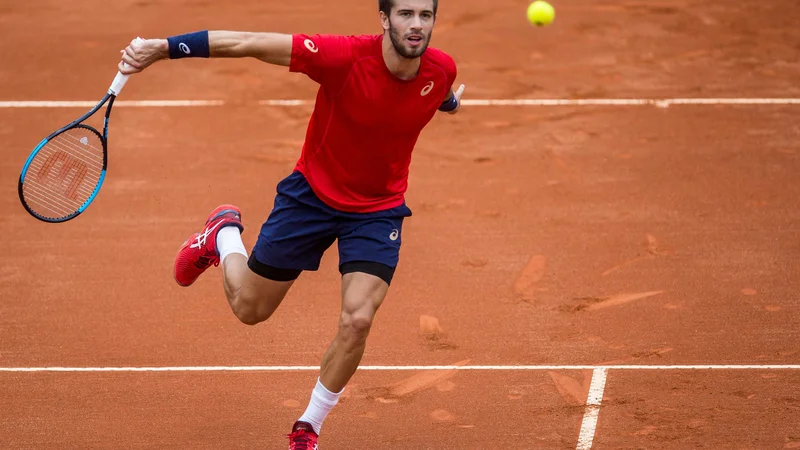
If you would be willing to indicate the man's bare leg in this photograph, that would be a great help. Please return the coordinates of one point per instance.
(362, 295)
(252, 297)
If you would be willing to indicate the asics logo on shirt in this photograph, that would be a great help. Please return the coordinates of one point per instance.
(427, 89)
(311, 46)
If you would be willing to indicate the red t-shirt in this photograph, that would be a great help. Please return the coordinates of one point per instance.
(366, 121)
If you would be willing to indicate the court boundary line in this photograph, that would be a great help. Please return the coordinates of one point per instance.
(592, 411)
(405, 368)
(662, 102)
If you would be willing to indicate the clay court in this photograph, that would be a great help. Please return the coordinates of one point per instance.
(604, 251)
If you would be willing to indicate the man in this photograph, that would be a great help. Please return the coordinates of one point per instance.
(376, 95)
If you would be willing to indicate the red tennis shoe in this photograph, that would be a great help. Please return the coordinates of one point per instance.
(199, 252)
(303, 437)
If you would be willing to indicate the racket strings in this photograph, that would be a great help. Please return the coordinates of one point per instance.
(69, 163)
(64, 173)
(76, 158)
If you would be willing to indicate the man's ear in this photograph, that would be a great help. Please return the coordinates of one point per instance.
(384, 21)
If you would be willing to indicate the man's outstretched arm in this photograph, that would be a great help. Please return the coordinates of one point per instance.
(273, 48)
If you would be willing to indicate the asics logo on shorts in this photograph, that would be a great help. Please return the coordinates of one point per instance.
(311, 46)
(427, 89)
(395, 234)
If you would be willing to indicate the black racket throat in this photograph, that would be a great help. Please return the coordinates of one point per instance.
(108, 98)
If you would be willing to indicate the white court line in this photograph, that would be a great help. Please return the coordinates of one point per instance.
(389, 368)
(589, 424)
(634, 102)
(666, 102)
(286, 102)
(120, 103)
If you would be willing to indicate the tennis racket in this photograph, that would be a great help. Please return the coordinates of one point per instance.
(64, 173)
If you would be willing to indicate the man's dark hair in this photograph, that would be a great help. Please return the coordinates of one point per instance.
(387, 5)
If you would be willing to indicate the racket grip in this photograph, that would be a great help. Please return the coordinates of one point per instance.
(120, 79)
(118, 84)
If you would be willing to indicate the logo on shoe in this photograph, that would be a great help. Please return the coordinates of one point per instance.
(201, 238)
(395, 234)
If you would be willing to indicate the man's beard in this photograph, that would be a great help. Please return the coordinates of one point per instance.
(397, 42)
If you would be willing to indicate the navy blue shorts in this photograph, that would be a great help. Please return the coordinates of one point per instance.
(301, 228)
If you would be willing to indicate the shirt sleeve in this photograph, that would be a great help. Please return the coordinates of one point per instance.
(326, 59)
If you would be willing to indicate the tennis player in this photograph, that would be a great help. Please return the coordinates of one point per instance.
(376, 94)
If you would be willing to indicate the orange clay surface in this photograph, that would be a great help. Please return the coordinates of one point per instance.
(541, 235)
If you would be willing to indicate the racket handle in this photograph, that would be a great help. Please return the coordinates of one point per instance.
(120, 79)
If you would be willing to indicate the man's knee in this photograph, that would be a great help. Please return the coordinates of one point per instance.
(355, 326)
(253, 306)
(248, 314)
(362, 296)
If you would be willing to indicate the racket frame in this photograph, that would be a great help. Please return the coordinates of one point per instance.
(113, 91)
(78, 123)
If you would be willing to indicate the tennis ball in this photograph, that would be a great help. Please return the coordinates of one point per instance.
(541, 13)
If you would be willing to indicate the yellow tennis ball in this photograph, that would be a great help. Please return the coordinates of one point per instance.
(541, 13)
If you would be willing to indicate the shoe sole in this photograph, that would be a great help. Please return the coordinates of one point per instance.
(176, 258)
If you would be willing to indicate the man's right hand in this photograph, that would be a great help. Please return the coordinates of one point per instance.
(140, 54)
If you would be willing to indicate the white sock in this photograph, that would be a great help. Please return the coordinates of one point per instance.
(229, 240)
(322, 402)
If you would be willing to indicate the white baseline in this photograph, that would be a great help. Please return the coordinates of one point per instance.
(394, 368)
(663, 103)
